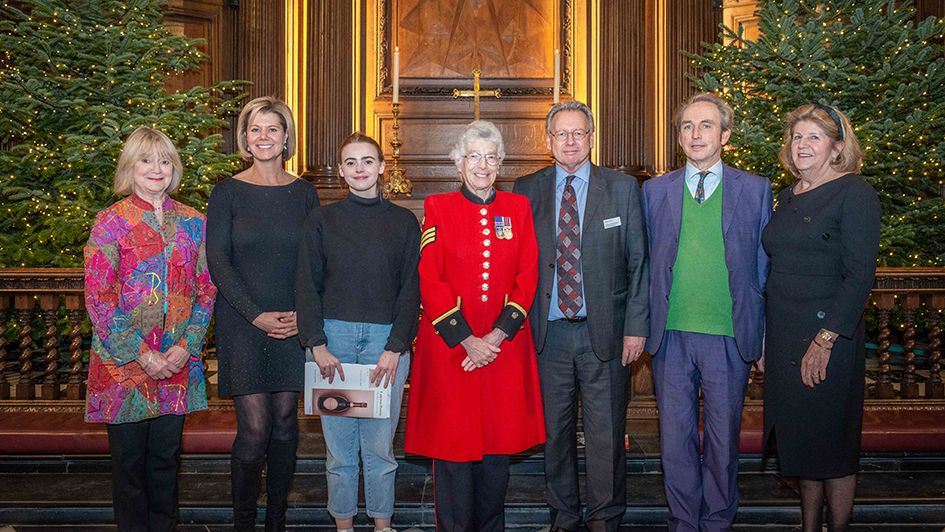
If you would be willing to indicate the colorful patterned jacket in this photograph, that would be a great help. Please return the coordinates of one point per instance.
(146, 287)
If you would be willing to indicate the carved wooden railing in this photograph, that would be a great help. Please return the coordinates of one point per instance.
(54, 297)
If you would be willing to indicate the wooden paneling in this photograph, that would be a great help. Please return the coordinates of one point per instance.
(214, 22)
(740, 15)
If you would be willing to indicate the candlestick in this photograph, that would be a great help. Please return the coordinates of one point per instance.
(396, 182)
(396, 75)
(557, 76)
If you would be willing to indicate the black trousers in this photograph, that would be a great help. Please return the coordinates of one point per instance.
(470, 496)
(145, 461)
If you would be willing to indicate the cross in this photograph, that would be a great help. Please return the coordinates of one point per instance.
(476, 93)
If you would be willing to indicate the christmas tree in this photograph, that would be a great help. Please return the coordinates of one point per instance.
(868, 59)
(76, 78)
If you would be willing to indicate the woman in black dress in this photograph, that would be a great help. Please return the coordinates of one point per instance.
(823, 239)
(254, 222)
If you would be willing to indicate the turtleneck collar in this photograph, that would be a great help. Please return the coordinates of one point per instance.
(471, 196)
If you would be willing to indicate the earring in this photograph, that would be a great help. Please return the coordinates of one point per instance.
(285, 146)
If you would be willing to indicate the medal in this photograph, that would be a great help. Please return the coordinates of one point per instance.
(503, 227)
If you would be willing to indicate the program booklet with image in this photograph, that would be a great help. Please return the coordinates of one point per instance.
(353, 397)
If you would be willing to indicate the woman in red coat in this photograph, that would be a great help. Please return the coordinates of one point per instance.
(474, 394)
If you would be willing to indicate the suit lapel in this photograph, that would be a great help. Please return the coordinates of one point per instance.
(595, 192)
(731, 190)
(674, 198)
(549, 218)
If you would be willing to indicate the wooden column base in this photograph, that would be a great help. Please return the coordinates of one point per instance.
(25, 390)
(4, 390)
(935, 390)
(75, 391)
(884, 391)
(51, 392)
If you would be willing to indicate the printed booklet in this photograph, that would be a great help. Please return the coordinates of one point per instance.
(353, 397)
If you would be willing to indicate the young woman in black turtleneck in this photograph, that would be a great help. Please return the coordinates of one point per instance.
(358, 301)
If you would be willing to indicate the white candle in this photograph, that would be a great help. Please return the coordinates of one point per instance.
(557, 76)
(396, 74)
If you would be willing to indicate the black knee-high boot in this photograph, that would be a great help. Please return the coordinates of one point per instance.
(281, 458)
(245, 478)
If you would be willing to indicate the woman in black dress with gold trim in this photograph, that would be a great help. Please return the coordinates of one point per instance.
(823, 239)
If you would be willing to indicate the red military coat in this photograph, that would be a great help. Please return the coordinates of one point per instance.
(478, 270)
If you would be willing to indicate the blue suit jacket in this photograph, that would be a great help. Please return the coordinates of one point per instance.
(746, 208)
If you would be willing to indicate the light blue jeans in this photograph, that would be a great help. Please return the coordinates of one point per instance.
(362, 343)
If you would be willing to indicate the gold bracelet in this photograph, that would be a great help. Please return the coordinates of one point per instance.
(822, 346)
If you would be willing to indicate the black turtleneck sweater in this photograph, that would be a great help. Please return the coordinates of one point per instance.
(358, 263)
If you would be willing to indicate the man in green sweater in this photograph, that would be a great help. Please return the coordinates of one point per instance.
(707, 275)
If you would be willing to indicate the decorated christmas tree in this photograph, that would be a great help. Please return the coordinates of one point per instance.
(868, 59)
(76, 78)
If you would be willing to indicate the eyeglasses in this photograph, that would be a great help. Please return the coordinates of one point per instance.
(577, 134)
(474, 158)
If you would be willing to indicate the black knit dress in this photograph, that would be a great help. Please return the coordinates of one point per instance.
(823, 246)
(253, 236)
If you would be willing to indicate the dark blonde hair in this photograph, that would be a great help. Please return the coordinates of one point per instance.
(266, 104)
(360, 138)
(850, 158)
(725, 112)
(141, 142)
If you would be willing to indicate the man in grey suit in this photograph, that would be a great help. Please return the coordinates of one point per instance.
(708, 272)
(589, 317)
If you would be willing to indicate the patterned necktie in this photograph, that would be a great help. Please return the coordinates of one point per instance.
(570, 282)
(700, 189)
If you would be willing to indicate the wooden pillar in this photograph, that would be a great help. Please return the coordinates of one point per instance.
(24, 385)
(4, 385)
(909, 388)
(934, 388)
(49, 303)
(622, 123)
(76, 387)
(884, 388)
(261, 47)
(328, 81)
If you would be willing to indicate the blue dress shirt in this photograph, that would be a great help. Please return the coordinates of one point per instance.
(581, 179)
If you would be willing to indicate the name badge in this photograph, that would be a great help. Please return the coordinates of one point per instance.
(612, 222)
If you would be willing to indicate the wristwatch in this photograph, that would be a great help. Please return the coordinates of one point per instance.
(827, 336)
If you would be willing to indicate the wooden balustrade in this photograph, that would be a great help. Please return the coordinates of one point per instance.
(48, 295)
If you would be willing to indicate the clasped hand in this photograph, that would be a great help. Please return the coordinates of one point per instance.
(160, 366)
(480, 352)
(278, 325)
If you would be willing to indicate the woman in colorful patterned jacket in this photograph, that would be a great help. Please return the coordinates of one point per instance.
(149, 296)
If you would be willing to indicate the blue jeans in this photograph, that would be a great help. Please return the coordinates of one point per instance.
(362, 343)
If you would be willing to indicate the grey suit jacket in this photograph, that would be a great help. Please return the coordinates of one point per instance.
(614, 258)
(746, 209)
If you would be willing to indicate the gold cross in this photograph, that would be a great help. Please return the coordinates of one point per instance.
(476, 93)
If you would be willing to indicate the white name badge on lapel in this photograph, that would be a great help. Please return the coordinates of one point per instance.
(612, 222)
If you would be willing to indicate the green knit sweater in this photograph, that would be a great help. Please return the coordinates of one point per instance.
(700, 300)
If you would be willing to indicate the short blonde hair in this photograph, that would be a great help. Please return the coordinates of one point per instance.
(141, 142)
(266, 104)
(850, 158)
